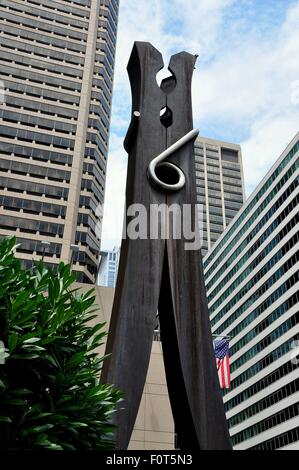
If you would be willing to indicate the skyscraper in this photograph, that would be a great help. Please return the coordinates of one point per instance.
(220, 186)
(109, 267)
(252, 280)
(56, 63)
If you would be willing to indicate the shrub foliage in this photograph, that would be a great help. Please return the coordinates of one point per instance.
(50, 393)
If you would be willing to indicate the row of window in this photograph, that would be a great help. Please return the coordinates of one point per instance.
(27, 89)
(233, 205)
(92, 169)
(259, 291)
(41, 13)
(100, 70)
(250, 222)
(29, 264)
(35, 153)
(44, 66)
(252, 204)
(84, 3)
(235, 167)
(256, 278)
(98, 124)
(87, 203)
(236, 196)
(30, 246)
(41, 26)
(266, 341)
(92, 138)
(48, 40)
(271, 318)
(32, 207)
(106, 22)
(95, 154)
(263, 363)
(86, 221)
(37, 51)
(100, 46)
(98, 97)
(102, 59)
(234, 180)
(252, 250)
(41, 78)
(230, 213)
(86, 240)
(91, 186)
(234, 188)
(268, 423)
(215, 218)
(42, 123)
(81, 277)
(257, 228)
(270, 400)
(41, 107)
(281, 290)
(234, 173)
(262, 384)
(31, 226)
(34, 170)
(83, 259)
(29, 187)
(52, 5)
(278, 441)
(109, 40)
(100, 83)
(36, 137)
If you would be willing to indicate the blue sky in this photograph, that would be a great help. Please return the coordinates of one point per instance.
(243, 88)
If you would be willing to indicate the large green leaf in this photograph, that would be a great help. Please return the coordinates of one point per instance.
(50, 395)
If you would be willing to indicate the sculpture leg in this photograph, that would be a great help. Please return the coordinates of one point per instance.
(189, 357)
(131, 329)
(184, 426)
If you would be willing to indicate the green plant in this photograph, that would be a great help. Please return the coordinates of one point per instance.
(50, 393)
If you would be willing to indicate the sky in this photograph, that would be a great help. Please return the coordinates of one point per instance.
(245, 87)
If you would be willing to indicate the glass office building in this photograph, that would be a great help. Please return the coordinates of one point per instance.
(56, 70)
(109, 267)
(219, 186)
(252, 282)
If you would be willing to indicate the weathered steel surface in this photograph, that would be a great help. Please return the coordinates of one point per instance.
(162, 274)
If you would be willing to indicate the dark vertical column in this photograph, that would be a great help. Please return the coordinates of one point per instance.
(191, 319)
(138, 284)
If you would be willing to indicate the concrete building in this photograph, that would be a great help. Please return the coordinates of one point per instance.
(220, 186)
(154, 427)
(108, 267)
(56, 64)
(252, 282)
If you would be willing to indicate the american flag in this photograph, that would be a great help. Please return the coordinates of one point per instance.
(221, 348)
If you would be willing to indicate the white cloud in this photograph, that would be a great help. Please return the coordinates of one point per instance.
(114, 194)
(242, 88)
(269, 137)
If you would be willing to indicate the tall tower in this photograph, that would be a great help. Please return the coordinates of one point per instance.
(56, 65)
(252, 282)
(220, 186)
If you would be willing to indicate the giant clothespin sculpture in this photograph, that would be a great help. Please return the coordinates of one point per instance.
(161, 274)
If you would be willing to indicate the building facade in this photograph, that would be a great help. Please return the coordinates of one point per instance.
(220, 186)
(56, 69)
(108, 267)
(252, 282)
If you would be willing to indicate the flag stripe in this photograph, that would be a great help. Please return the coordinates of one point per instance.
(221, 348)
